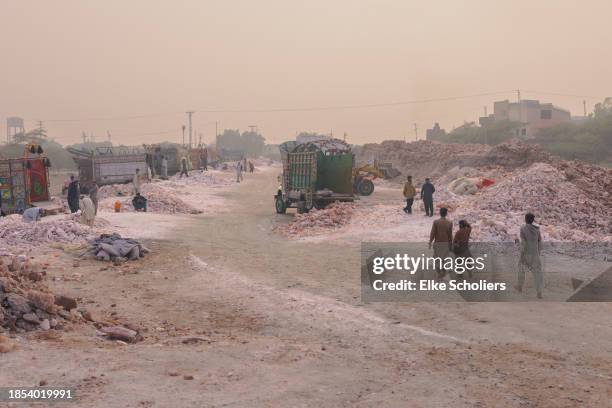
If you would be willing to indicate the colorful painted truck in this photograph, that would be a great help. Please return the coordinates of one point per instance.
(24, 182)
(315, 174)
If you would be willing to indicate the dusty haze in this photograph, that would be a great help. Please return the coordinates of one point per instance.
(75, 60)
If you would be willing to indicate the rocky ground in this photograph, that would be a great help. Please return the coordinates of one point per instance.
(232, 313)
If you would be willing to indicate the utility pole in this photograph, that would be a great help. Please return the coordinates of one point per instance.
(584, 107)
(40, 128)
(416, 132)
(84, 136)
(184, 127)
(108, 135)
(216, 129)
(518, 94)
(190, 128)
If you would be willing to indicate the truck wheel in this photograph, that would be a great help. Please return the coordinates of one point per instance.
(302, 209)
(280, 205)
(365, 187)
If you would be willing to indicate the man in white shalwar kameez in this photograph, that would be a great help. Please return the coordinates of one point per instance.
(88, 211)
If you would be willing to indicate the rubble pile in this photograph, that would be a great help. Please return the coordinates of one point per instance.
(15, 232)
(159, 199)
(316, 221)
(26, 303)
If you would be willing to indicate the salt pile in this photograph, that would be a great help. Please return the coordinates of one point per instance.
(557, 203)
(210, 178)
(15, 232)
(316, 221)
(159, 198)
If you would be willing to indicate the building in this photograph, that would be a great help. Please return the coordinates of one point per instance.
(435, 133)
(531, 114)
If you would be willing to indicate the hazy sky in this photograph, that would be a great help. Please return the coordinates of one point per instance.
(86, 59)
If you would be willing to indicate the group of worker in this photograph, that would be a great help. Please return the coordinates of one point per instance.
(241, 167)
(427, 191)
(443, 242)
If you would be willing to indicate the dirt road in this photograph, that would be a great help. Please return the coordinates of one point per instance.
(237, 316)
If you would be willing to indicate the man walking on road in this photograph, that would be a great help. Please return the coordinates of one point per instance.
(531, 241)
(442, 238)
(427, 191)
(409, 193)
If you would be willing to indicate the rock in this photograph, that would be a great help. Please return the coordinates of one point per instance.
(41, 300)
(45, 324)
(120, 333)
(6, 345)
(30, 317)
(68, 303)
(42, 383)
(35, 276)
(18, 304)
(188, 377)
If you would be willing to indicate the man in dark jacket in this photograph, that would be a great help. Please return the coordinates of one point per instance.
(74, 193)
(427, 191)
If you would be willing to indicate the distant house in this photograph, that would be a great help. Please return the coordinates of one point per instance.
(435, 133)
(531, 114)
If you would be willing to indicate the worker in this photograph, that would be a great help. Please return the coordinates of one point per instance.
(239, 171)
(244, 164)
(251, 167)
(164, 167)
(93, 194)
(461, 242)
(204, 158)
(409, 193)
(140, 203)
(88, 211)
(184, 167)
(442, 238)
(33, 214)
(136, 181)
(531, 242)
(74, 191)
(427, 190)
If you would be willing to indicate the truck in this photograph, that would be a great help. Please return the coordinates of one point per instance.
(24, 181)
(315, 174)
(109, 165)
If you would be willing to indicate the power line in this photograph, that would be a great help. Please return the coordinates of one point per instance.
(291, 109)
(563, 94)
(348, 107)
